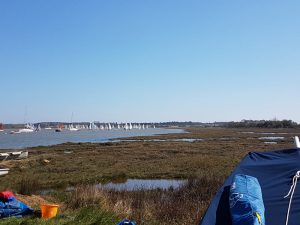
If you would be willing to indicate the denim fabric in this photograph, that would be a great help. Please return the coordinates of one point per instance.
(246, 202)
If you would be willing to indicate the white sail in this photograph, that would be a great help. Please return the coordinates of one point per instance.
(38, 128)
(72, 128)
(93, 126)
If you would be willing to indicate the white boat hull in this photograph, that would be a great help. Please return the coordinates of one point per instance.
(25, 130)
(4, 171)
(13, 155)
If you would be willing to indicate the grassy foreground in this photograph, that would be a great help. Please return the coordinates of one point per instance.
(205, 162)
(84, 216)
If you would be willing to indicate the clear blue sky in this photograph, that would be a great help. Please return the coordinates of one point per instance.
(152, 60)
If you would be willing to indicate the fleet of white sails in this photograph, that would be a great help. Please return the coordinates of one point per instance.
(107, 126)
(28, 128)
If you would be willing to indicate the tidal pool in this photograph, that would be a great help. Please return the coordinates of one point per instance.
(147, 184)
(160, 140)
(271, 138)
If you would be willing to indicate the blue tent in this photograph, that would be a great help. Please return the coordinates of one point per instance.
(275, 172)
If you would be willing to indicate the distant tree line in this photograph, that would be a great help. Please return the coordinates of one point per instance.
(263, 124)
(178, 124)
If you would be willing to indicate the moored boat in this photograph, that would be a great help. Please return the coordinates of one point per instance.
(25, 130)
(59, 128)
(4, 171)
(72, 128)
(28, 129)
(13, 155)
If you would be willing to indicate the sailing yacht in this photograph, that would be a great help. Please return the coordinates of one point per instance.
(93, 126)
(28, 129)
(71, 127)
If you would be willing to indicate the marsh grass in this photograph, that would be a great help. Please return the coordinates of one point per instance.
(86, 196)
(184, 205)
(84, 216)
(29, 185)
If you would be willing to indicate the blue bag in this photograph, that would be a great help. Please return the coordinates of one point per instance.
(246, 202)
(13, 207)
(126, 222)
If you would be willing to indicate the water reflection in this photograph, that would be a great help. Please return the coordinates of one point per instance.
(149, 184)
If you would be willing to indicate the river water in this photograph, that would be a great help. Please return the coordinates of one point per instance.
(50, 137)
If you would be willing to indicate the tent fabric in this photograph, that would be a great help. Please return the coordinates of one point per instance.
(12, 207)
(274, 171)
(245, 201)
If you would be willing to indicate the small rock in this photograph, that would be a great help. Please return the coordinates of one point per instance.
(46, 161)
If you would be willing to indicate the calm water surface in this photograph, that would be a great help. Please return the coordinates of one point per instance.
(50, 137)
(137, 184)
(161, 140)
(271, 138)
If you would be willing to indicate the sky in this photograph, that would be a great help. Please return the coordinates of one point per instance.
(149, 61)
